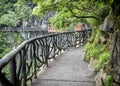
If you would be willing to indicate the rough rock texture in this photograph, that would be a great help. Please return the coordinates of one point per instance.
(99, 77)
(92, 64)
(69, 69)
(108, 25)
(115, 57)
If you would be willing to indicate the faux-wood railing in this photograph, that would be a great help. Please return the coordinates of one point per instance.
(22, 63)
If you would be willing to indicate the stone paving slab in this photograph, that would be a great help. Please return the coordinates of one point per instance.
(68, 69)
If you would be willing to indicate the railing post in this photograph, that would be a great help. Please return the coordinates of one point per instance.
(46, 51)
(13, 76)
(75, 40)
(24, 74)
(24, 79)
(34, 59)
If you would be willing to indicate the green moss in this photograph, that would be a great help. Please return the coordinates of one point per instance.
(108, 80)
(3, 44)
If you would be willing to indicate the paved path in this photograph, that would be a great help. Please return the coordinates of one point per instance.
(69, 69)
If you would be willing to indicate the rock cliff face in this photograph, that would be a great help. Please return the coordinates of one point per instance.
(115, 57)
(108, 25)
(40, 22)
(111, 26)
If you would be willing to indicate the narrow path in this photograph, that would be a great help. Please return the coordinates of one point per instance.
(69, 69)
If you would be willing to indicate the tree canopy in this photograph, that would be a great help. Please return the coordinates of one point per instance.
(11, 14)
(71, 11)
(13, 11)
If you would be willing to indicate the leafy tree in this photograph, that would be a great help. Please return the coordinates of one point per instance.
(22, 10)
(9, 19)
(5, 8)
(3, 45)
(12, 12)
(69, 11)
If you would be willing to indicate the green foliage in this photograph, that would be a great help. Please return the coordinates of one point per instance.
(8, 41)
(43, 6)
(93, 22)
(6, 71)
(12, 12)
(103, 57)
(22, 10)
(108, 80)
(61, 20)
(7, 16)
(93, 48)
(101, 14)
(109, 2)
(70, 9)
(71, 27)
(9, 19)
(6, 5)
(97, 36)
(18, 39)
(3, 45)
(91, 39)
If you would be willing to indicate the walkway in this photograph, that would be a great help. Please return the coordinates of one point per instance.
(69, 69)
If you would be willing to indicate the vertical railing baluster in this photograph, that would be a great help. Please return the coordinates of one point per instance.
(19, 74)
(24, 68)
(34, 60)
(74, 39)
(13, 76)
(46, 51)
(53, 46)
(42, 49)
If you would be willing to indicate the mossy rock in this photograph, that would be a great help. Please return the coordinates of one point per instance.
(92, 64)
(100, 77)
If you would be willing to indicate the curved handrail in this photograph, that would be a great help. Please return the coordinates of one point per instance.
(30, 55)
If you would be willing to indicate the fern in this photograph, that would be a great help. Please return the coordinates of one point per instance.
(108, 80)
(104, 57)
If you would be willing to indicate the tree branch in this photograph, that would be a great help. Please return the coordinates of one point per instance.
(85, 17)
(81, 16)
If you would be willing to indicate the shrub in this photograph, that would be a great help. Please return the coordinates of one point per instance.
(108, 80)
(104, 57)
(94, 50)
(97, 36)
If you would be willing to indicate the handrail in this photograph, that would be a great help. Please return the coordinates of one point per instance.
(25, 60)
(21, 29)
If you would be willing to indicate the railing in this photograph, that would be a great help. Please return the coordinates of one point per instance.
(22, 63)
(21, 29)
